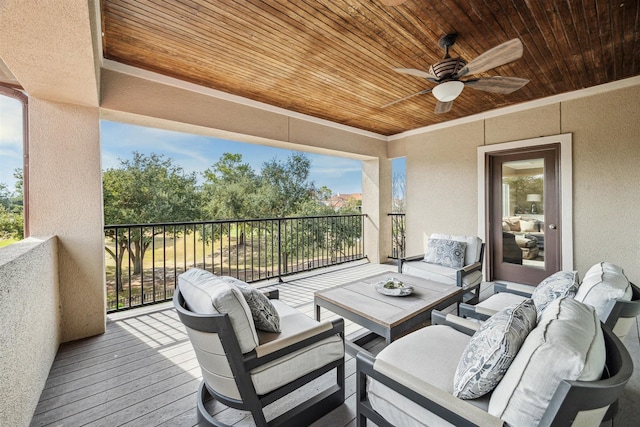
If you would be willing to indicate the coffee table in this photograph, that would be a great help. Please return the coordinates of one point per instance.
(387, 316)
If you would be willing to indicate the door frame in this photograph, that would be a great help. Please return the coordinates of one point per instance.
(566, 189)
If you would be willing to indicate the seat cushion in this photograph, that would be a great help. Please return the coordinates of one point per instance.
(440, 274)
(206, 293)
(473, 249)
(558, 285)
(281, 371)
(491, 350)
(448, 253)
(567, 344)
(604, 283)
(416, 355)
(497, 302)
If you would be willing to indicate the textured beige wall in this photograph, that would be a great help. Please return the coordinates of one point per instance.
(29, 325)
(66, 200)
(442, 183)
(376, 203)
(606, 192)
(605, 128)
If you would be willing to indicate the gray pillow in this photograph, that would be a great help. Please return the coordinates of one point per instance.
(265, 316)
(558, 285)
(491, 350)
(448, 253)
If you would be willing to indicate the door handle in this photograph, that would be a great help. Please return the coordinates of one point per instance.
(552, 226)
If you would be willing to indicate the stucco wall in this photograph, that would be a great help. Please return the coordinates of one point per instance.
(28, 342)
(442, 183)
(66, 200)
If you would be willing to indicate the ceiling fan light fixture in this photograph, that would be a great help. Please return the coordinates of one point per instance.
(448, 91)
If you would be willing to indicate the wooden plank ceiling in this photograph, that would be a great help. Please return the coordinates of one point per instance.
(334, 59)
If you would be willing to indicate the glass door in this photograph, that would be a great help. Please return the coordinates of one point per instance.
(524, 214)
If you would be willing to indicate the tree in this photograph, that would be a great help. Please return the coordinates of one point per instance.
(285, 186)
(146, 189)
(12, 209)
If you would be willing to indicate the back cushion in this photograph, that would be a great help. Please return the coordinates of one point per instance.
(206, 293)
(558, 285)
(602, 284)
(567, 344)
(472, 251)
(448, 253)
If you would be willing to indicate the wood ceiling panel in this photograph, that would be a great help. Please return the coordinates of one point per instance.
(334, 59)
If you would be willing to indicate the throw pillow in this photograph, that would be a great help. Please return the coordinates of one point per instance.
(558, 285)
(265, 316)
(528, 226)
(491, 350)
(448, 253)
(603, 283)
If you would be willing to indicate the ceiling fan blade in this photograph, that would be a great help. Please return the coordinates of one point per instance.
(443, 107)
(497, 84)
(422, 92)
(499, 55)
(417, 73)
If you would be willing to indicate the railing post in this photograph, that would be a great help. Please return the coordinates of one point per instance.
(279, 250)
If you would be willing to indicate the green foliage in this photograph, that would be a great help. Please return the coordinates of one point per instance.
(12, 210)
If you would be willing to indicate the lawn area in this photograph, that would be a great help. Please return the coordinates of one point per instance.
(7, 242)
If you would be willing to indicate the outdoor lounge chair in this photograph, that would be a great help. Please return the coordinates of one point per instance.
(247, 369)
(449, 259)
(615, 298)
(396, 387)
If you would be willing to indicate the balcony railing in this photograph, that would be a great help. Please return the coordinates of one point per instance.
(144, 260)
(397, 235)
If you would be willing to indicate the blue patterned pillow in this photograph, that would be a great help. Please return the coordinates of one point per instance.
(448, 253)
(492, 349)
(558, 285)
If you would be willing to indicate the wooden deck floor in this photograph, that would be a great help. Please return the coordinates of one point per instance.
(143, 371)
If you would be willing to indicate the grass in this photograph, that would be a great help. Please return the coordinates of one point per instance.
(7, 242)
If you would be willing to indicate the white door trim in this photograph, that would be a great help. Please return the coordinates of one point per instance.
(566, 188)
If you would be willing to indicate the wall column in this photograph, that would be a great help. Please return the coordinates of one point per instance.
(65, 199)
(376, 203)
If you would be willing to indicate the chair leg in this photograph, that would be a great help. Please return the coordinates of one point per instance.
(204, 417)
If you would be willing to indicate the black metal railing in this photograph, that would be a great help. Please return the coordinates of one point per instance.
(144, 260)
(398, 238)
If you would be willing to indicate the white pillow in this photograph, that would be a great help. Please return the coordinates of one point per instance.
(491, 350)
(206, 293)
(603, 283)
(448, 253)
(567, 344)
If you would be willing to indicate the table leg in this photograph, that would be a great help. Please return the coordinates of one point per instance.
(317, 312)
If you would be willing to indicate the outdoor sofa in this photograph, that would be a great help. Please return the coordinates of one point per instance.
(547, 361)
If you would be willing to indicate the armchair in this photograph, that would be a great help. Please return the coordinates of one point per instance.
(247, 369)
(467, 274)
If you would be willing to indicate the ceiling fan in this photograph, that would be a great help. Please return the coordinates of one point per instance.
(448, 72)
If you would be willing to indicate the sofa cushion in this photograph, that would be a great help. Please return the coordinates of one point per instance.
(416, 356)
(448, 253)
(491, 350)
(440, 274)
(567, 344)
(497, 302)
(528, 226)
(295, 327)
(265, 316)
(558, 285)
(474, 245)
(604, 283)
(206, 293)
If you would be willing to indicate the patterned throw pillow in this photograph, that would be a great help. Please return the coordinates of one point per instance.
(265, 316)
(448, 253)
(558, 285)
(492, 349)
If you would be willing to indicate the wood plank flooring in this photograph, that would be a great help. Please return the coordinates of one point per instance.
(143, 372)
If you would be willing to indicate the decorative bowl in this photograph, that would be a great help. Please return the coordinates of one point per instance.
(393, 287)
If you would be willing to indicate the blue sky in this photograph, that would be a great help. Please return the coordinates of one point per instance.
(194, 153)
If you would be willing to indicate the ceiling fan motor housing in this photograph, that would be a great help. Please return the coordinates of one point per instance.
(447, 68)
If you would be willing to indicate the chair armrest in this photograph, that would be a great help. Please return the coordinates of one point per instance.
(273, 350)
(272, 293)
(513, 288)
(473, 311)
(442, 404)
(458, 323)
(405, 259)
(476, 266)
